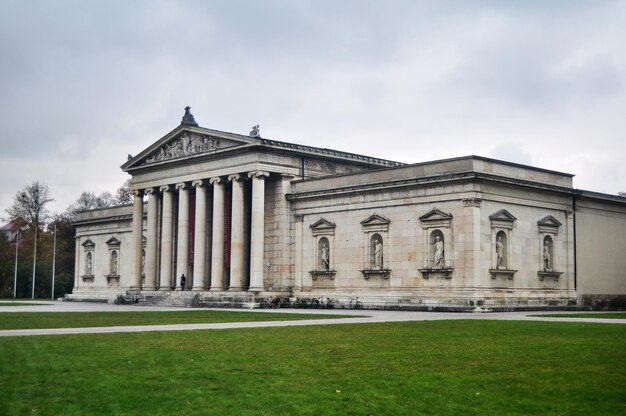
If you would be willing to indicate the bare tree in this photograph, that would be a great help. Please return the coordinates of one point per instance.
(123, 195)
(30, 205)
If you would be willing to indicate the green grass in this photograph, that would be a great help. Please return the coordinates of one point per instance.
(20, 304)
(38, 320)
(599, 315)
(416, 368)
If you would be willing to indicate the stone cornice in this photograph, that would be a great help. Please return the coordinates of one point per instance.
(456, 177)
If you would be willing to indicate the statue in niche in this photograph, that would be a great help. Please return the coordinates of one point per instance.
(439, 261)
(378, 254)
(89, 265)
(114, 263)
(325, 257)
(499, 252)
(546, 257)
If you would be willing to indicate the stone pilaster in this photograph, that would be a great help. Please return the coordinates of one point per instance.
(152, 242)
(217, 240)
(137, 239)
(199, 255)
(257, 236)
(237, 233)
(167, 232)
(182, 243)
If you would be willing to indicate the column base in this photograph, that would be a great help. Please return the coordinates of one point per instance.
(165, 289)
(256, 289)
(235, 289)
(134, 288)
(198, 289)
(149, 288)
(216, 289)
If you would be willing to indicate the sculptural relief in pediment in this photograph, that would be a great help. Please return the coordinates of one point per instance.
(186, 144)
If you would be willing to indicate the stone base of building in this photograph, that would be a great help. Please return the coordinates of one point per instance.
(459, 300)
(603, 302)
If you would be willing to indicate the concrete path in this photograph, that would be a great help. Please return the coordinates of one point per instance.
(365, 316)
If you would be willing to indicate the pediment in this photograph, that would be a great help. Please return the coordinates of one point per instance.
(113, 242)
(549, 221)
(89, 244)
(323, 227)
(502, 215)
(436, 215)
(186, 142)
(322, 223)
(375, 219)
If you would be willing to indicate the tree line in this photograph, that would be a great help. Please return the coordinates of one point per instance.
(35, 238)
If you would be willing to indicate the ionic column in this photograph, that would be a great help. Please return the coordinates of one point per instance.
(257, 229)
(151, 243)
(182, 246)
(199, 256)
(137, 239)
(167, 228)
(237, 234)
(217, 240)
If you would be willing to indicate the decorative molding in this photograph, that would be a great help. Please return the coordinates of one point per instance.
(502, 219)
(440, 273)
(472, 202)
(543, 274)
(323, 227)
(259, 174)
(89, 245)
(549, 224)
(508, 273)
(383, 273)
(113, 243)
(323, 273)
(376, 222)
(183, 146)
(436, 218)
(88, 278)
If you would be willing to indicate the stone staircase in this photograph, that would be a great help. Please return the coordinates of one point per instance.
(189, 299)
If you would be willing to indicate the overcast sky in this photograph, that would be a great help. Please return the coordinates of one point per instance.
(84, 83)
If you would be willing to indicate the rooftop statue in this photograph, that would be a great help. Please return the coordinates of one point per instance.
(188, 119)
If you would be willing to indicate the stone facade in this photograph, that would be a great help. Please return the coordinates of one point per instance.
(246, 217)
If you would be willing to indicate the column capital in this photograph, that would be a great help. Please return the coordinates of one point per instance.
(198, 183)
(287, 176)
(235, 177)
(149, 191)
(216, 180)
(181, 185)
(137, 192)
(259, 174)
(165, 188)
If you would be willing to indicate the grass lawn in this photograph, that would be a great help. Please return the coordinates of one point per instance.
(415, 368)
(19, 304)
(599, 315)
(31, 320)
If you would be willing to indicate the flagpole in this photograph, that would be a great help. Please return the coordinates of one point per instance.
(54, 257)
(17, 245)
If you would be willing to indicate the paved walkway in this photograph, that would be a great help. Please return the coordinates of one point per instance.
(365, 316)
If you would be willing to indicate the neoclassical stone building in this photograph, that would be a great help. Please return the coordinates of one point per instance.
(242, 217)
